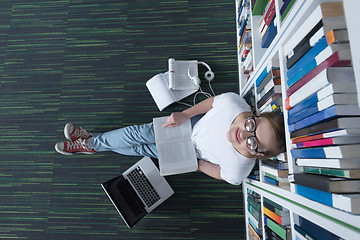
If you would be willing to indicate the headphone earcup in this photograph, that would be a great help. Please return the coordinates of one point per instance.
(209, 75)
(196, 80)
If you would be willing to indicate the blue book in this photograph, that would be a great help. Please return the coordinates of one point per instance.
(308, 57)
(261, 77)
(315, 230)
(314, 194)
(304, 104)
(341, 151)
(328, 113)
(270, 180)
(269, 36)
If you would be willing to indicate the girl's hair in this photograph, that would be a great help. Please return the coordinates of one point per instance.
(277, 122)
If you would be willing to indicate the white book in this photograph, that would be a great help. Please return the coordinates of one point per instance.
(347, 202)
(176, 151)
(342, 78)
(338, 163)
(274, 171)
(163, 96)
(332, 15)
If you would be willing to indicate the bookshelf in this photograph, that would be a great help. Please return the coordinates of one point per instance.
(335, 221)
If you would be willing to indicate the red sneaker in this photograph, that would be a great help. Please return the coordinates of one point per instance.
(73, 132)
(71, 147)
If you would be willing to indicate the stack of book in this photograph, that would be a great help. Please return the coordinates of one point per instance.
(267, 25)
(285, 8)
(276, 173)
(323, 111)
(254, 218)
(277, 220)
(308, 230)
(268, 88)
(245, 39)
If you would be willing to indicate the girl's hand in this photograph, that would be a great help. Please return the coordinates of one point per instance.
(176, 119)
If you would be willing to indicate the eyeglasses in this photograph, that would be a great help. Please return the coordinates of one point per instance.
(251, 142)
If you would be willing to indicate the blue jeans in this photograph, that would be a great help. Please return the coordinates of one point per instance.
(136, 140)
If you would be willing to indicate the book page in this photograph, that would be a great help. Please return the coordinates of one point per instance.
(171, 134)
(176, 151)
(159, 89)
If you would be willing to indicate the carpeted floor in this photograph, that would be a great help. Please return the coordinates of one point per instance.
(86, 62)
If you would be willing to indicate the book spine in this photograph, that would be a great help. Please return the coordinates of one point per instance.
(314, 194)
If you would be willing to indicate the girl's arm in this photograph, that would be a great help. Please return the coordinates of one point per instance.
(210, 169)
(177, 118)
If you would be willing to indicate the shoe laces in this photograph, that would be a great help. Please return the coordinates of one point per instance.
(79, 143)
(80, 133)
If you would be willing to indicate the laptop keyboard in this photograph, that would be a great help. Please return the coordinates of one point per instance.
(143, 186)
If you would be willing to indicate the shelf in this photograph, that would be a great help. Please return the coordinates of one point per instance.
(327, 217)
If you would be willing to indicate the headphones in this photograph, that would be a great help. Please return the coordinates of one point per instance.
(209, 75)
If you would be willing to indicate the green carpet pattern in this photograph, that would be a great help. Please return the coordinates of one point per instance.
(86, 62)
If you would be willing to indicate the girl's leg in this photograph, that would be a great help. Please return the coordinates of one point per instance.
(136, 140)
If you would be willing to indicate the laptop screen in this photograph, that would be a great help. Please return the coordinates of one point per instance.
(125, 200)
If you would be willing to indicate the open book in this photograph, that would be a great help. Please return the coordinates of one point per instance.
(176, 151)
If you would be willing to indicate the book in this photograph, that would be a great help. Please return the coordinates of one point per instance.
(337, 163)
(272, 65)
(271, 235)
(276, 164)
(329, 13)
(328, 113)
(284, 180)
(331, 125)
(270, 94)
(274, 207)
(335, 133)
(253, 235)
(286, 8)
(315, 35)
(274, 171)
(272, 105)
(330, 141)
(255, 224)
(283, 232)
(267, 88)
(321, 51)
(314, 194)
(344, 77)
(327, 183)
(282, 220)
(331, 100)
(338, 59)
(343, 51)
(254, 212)
(315, 230)
(259, 7)
(176, 151)
(339, 98)
(303, 233)
(279, 184)
(269, 36)
(347, 202)
(343, 151)
(163, 96)
(273, 75)
(344, 173)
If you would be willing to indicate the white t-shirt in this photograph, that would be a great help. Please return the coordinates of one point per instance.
(210, 138)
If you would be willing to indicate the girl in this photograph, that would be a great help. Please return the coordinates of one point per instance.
(228, 138)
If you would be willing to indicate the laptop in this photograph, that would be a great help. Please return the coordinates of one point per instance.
(176, 151)
(138, 191)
